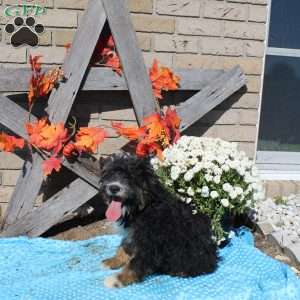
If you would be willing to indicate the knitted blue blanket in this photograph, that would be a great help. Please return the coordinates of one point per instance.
(44, 269)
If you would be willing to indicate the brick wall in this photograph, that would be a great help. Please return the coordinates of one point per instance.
(179, 33)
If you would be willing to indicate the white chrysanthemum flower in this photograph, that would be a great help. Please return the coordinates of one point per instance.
(190, 191)
(217, 170)
(233, 194)
(225, 167)
(239, 190)
(188, 176)
(175, 172)
(225, 202)
(208, 177)
(217, 179)
(241, 171)
(227, 187)
(205, 192)
(181, 190)
(214, 194)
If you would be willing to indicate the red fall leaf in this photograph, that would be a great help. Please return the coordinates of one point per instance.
(50, 165)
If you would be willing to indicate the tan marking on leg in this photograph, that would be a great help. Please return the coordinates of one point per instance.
(127, 276)
(119, 260)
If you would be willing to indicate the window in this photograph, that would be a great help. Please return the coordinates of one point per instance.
(278, 146)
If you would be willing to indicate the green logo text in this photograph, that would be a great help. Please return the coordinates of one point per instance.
(24, 10)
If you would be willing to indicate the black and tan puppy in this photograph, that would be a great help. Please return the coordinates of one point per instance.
(162, 236)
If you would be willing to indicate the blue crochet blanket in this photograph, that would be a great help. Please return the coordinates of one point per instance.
(44, 269)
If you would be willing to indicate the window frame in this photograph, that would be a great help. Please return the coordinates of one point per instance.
(275, 165)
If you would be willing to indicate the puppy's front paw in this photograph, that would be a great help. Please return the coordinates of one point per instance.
(112, 263)
(112, 282)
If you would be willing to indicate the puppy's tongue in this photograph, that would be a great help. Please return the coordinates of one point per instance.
(114, 211)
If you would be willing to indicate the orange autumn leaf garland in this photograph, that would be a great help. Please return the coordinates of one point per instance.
(9, 143)
(156, 133)
(54, 141)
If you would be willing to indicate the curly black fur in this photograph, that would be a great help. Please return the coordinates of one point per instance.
(163, 234)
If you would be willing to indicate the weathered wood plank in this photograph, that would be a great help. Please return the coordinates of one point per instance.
(133, 64)
(14, 117)
(60, 104)
(51, 212)
(76, 63)
(104, 79)
(18, 205)
(209, 97)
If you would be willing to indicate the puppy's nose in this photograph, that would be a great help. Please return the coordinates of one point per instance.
(114, 189)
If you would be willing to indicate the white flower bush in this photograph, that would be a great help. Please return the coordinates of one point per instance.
(211, 176)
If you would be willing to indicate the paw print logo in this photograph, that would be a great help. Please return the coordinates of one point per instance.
(24, 32)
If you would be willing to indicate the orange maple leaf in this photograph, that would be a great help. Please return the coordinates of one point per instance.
(89, 138)
(156, 134)
(143, 150)
(131, 133)
(51, 164)
(41, 83)
(53, 137)
(49, 80)
(47, 137)
(163, 79)
(10, 143)
(34, 131)
(156, 129)
(173, 124)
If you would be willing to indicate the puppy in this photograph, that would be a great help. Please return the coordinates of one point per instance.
(162, 236)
